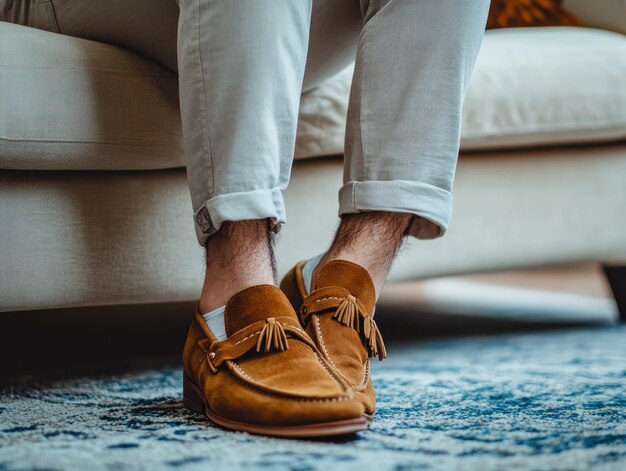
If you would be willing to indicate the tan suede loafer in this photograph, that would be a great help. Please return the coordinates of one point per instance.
(267, 377)
(338, 317)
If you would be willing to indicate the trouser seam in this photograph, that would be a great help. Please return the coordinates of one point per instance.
(205, 118)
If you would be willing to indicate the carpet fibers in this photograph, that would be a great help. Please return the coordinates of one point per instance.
(540, 401)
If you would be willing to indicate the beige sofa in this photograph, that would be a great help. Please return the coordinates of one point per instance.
(94, 206)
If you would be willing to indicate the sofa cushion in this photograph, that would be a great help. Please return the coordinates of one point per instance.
(546, 86)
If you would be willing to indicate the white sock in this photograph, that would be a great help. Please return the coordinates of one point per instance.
(307, 271)
(216, 323)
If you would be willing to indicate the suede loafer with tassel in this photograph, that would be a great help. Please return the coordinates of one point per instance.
(267, 377)
(338, 317)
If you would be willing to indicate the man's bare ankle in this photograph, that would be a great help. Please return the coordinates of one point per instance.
(369, 239)
(239, 255)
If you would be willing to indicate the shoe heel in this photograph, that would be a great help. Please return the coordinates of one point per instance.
(191, 396)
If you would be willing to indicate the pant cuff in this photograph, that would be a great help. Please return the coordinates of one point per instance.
(432, 205)
(241, 206)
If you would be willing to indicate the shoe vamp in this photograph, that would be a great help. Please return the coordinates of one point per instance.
(228, 398)
(344, 347)
(297, 371)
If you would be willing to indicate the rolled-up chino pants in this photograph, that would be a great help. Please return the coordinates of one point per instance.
(243, 64)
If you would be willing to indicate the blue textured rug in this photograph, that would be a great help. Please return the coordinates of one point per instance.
(535, 401)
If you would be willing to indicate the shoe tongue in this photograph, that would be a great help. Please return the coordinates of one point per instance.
(350, 276)
(253, 304)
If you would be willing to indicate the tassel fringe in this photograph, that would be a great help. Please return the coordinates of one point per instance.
(349, 314)
(272, 337)
(374, 339)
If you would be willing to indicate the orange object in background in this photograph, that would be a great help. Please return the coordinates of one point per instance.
(515, 13)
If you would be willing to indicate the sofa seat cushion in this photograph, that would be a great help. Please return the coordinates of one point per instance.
(546, 86)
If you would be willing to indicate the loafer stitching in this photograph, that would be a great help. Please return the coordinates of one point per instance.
(321, 341)
(338, 298)
(329, 371)
(364, 379)
(258, 332)
(297, 399)
(252, 380)
(246, 338)
(361, 386)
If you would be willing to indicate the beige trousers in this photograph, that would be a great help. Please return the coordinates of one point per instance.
(243, 64)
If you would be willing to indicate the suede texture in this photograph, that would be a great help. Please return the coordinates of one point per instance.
(345, 347)
(249, 378)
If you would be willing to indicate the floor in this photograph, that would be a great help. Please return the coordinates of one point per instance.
(458, 391)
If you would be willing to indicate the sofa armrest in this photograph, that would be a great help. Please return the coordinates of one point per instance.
(603, 14)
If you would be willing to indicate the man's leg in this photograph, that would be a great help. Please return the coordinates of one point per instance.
(249, 365)
(413, 65)
(247, 150)
(369, 239)
(241, 66)
(239, 255)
